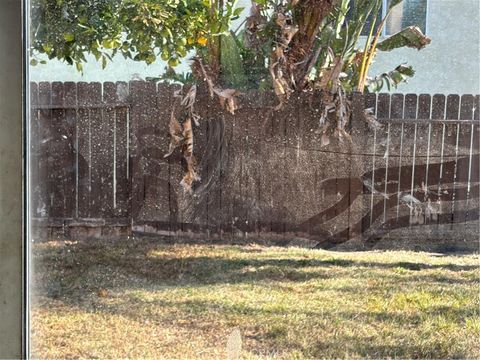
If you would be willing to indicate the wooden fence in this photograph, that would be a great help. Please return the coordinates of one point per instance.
(97, 161)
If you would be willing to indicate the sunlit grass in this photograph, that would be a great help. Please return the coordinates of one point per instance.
(144, 299)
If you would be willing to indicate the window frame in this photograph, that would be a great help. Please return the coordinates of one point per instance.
(384, 13)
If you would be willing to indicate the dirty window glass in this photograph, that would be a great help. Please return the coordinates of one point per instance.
(254, 179)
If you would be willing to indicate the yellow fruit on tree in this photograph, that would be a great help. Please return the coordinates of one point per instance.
(202, 40)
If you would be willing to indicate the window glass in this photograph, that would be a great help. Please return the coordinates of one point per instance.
(406, 13)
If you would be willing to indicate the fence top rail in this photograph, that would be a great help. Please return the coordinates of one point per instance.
(427, 121)
(75, 107)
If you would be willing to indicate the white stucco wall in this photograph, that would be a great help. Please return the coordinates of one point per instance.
(450, 64)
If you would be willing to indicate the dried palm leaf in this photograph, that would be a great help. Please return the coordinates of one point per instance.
(371, 119)
(176, 136)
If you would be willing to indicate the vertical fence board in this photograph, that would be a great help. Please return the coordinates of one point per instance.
(237, 154)
(383, 106)
(104, 158)
(438, 106)
(217, 132)
(100, 144)
(84, 98)
(396, 107)
(59, 153)
(410, 110)
(199, 219)
(70, 183)
(138, 92)
(175, 171)
(45, 163)
(356, 168)
(122, 143)
(150, 189)
(452, 141)
(424, 106)
(158, 116)
(227, 195)
(476, 115)
(62, 178)
(464, 168)
(453, 107)
(35, 155)
(297, 167)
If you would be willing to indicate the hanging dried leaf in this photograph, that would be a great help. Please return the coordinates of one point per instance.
(371, 119)
(187, 138)
(227, 99)
(189, 99)
(332, 76)
(324, 140)
(182, 134)
(191, 174)
(411, 37)
(176, 135)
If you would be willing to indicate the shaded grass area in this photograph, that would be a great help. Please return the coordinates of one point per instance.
(147, 299)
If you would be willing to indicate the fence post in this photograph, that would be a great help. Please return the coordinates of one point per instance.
(358, 128)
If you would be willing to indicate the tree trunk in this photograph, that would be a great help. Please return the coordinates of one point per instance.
(307, 16)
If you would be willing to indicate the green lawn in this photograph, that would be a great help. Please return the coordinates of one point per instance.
(145, 299)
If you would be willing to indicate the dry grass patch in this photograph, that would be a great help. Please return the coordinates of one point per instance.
(145, 299)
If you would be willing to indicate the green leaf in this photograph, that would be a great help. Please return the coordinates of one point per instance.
(33, 62)
(392, 78)
(232, 66)
(69, 37)
(47, 48)
(411, 37)
(107, 43)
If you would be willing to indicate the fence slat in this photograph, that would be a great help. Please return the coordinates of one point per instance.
(62, 184)
(150, 190)
(410, 111)
(477, 108)
(103, 162)
(122, 176)
(383, 106)
(35, 155)
(396, 108)
(84, 97)
(438, 106)
(466, 139)
(453, 106)
(70, 185)
(58, 154)
(159, 114)
(44, 137)
(424, 106)
(293, 166)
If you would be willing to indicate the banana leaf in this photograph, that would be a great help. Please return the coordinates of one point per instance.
(392, 78)
(233, 72)
(411, 37)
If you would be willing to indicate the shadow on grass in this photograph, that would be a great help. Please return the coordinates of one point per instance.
(75, 273)
(84, 266)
